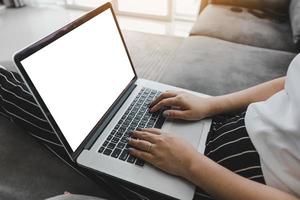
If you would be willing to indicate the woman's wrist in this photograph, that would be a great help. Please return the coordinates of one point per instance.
(194, 166)
(217, 105)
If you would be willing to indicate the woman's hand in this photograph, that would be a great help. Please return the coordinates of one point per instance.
(183, 105)
(169, 153)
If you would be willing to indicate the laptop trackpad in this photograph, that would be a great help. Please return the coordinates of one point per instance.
(189, 130)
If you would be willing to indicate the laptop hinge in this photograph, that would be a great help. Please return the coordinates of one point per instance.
(109, 117)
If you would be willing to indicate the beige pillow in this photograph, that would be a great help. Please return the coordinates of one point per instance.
(280, 6)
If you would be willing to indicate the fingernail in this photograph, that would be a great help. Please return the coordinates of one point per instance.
(130, 149)
(166, 114)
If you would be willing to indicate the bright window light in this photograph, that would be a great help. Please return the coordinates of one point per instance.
(151, 7)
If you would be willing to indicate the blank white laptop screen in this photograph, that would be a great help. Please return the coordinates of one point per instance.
(80, 75)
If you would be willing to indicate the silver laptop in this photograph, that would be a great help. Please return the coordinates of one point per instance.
(84, 81)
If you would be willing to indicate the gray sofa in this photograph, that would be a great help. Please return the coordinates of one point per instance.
(229, 50)
(222, 54)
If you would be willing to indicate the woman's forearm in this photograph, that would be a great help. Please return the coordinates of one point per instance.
(239, 100)
(224, 184)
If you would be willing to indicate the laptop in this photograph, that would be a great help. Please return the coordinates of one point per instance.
(84, 81)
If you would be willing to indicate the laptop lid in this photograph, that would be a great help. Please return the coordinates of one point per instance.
(78, 74)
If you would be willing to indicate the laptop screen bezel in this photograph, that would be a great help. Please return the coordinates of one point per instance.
(31, 49)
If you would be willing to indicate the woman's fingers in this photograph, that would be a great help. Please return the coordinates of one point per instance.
(142, 135)
(162, 96)
(165, 102)
(141, 154)
(176, 114)
(155, 131)
(140, 144)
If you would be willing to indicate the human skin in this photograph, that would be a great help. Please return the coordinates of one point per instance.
(178, 157)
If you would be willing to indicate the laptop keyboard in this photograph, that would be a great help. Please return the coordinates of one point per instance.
(136, 116)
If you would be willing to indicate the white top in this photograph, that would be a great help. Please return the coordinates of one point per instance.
(274, 129)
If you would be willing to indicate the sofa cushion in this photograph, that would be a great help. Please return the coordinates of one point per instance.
(295, 20)
(276, 5)
(242, 27)
(150, 53)
(216, 67)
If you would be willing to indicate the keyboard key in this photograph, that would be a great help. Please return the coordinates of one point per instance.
(135, 110)
(147, 115)
(124, 154)
(126, 123)
(121, 145)
(101, 150)
(130, 116)
(142, 126)
(139, 116)
(134, 123)
(144, 121)
(111, 145)
(155, 115)
(150, 124)
(131, 159)
(136, 120)
(107, 151)
(115, 140)
(116, 153)
(131, 128)
(140, 162)
(123, 129)
(119, 135)
(109, 137)
(127, 134)
(124, 139)
(105, 144)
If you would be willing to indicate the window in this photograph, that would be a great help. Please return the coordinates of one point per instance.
(187, 9)
(84, 4)
(160, 9)
(154, 9)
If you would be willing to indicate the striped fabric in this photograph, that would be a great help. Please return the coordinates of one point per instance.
(20, 107)
(227, 144)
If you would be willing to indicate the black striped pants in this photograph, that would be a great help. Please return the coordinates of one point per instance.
(228, 143)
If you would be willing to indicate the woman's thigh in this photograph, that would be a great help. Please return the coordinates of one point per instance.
(229, 145)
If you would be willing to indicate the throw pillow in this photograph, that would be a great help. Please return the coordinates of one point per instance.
(280, 6)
